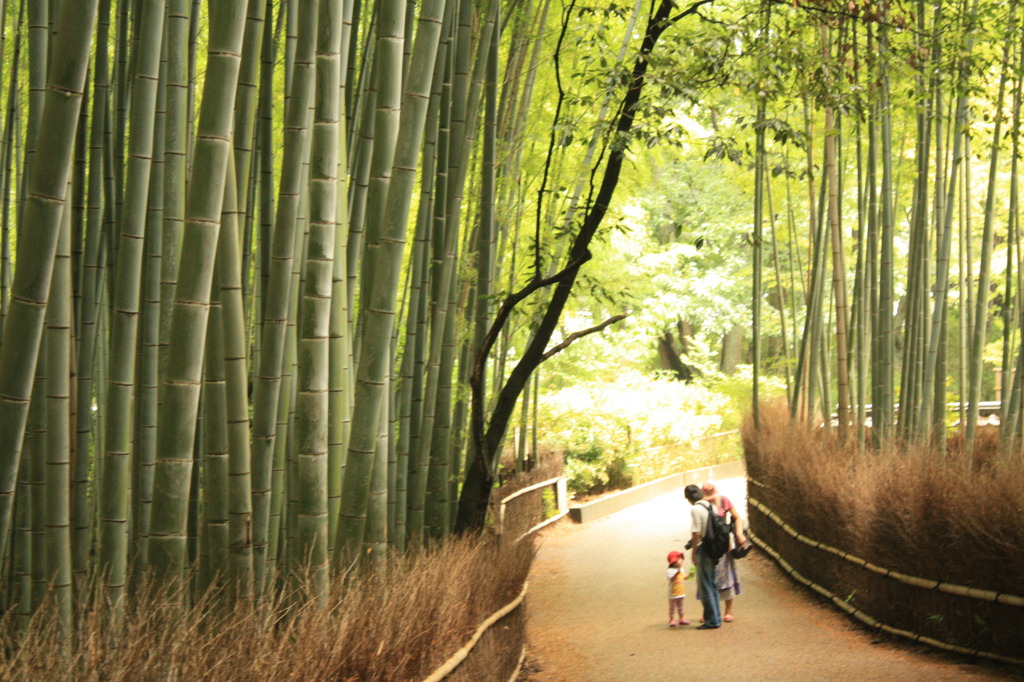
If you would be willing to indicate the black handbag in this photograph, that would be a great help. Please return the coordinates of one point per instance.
(740, 552)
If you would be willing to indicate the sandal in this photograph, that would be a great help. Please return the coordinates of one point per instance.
(727, 618)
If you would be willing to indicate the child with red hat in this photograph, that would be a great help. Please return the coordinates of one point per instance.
(676, 589)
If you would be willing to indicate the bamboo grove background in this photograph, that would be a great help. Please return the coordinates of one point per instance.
(275, 274)
(903, 137)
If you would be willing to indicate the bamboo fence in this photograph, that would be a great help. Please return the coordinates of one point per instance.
(832, 577)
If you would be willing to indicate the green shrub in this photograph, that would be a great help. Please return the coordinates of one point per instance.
(641, 427)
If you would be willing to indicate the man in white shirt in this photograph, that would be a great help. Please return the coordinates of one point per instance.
(706, 566)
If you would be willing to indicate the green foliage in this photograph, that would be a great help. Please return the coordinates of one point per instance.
(634, 429)
(550, 507)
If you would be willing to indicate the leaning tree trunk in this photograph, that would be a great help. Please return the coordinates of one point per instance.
(487, 435)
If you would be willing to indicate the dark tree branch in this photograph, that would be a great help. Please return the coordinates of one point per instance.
(505, 311)
(580, 334)
(487, 435)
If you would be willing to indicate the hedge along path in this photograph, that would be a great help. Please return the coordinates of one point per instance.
(462, 653)
(909, 580)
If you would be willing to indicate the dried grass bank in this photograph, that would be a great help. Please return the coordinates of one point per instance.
(398, 621)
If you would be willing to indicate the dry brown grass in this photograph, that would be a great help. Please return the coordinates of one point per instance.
(942, 516)
(399, 620)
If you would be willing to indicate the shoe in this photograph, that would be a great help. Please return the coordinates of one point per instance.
(705, 626)
(727, 618)
(683, 621)
(672, 623)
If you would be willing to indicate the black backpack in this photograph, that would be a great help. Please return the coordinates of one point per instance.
(715, 540)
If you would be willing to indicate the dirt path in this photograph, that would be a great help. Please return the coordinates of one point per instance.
(597, 610)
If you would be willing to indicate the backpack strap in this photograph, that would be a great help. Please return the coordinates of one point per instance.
(711, 511)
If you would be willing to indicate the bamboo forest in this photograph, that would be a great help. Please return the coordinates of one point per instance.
(290, 286)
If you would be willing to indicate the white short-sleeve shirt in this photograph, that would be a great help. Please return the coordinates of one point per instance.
(698, 518)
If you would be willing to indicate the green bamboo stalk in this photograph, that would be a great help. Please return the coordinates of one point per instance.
(38, 55)
(359, 184)
(176, 143)
(8, 143)
(193, 59)
(276, 550)
(35, 451)
(312, 404)
(444, 458)
(390, 197)
(245, 135)
(806, 369)
(486, 238)
(239, 489)
(91, 278)
(267, 388)
(19, 591)
(246, 97)
(124, 323)
(981, 303)
(266, 164)
(759, 192)
(342, 371)
(340, 349)
(882, 414)
(433, 306)
(149, 351)
(838, 256)
(47, 187)
(180, 381)
(966, 276)
(862, 286)
(379, 292)
(937, 341)
(411, 426)
(120, 84)
(213, 564)
(375, 544)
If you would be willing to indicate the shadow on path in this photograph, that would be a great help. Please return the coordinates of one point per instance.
(597, 610)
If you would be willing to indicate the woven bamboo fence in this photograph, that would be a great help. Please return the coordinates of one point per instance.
(957, 618)
(448, 668)
(506, 627)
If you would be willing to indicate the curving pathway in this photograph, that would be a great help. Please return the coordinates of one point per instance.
(597, 610)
